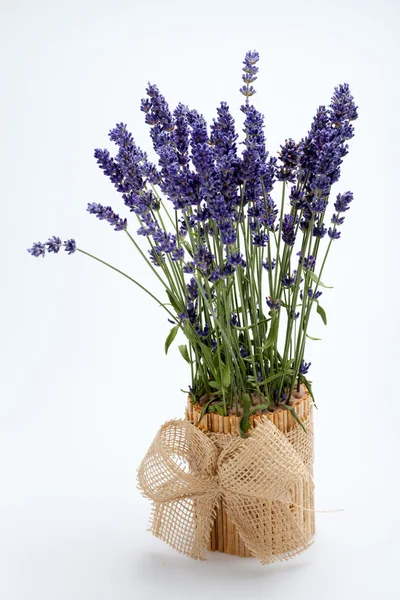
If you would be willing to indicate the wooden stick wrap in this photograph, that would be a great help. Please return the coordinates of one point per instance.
(224, 536)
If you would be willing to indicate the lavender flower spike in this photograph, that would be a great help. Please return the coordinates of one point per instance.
(106, 213)
(53, 245)
(250, 71)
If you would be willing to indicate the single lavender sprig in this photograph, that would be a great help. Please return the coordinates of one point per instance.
(249, 74)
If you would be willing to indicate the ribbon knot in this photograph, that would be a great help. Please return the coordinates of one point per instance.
(186, 473)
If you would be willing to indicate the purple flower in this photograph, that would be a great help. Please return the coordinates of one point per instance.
(318, 205)
(311, 294)
(289, 156)
(106, 213)
(203, 259)
(273, 304)
(296, 198)
(288, 281)
(190, 314)
(288, 233)
(250, 71)
(223, 139)
(54, 244)
(228, 270)
(202, 332)
(342, 107)
(158, 116)
(38, 249)
(323, 149)
(307, 216)
(178, 254)
(192, 289)
(181, 134)
(268, 266)
(319, 231)
(333, 233)
(70, 246)
(216, 274)
(243, 352)
(337, 220)
(343, 201)
(157, 258)
(228, 234)
(130, 168)
(188, 267)
(314, 295)
(234, 320)
(166, 242)
(254, 166)
(149, 226)
(141, 203)
(304, 368)
(308, 263)
(260, 239)
(281, 400)
(235, 259)
(110, 168)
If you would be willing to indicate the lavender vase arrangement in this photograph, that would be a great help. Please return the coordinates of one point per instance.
(237, 241)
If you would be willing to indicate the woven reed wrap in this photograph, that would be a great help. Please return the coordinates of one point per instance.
(187, 472)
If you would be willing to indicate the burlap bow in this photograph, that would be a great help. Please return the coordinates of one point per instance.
(186, 473)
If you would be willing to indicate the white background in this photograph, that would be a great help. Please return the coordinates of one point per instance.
(85, 382)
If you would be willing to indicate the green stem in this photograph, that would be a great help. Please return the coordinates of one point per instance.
(103, 262)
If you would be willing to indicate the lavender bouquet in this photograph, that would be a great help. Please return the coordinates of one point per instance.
(241, 271)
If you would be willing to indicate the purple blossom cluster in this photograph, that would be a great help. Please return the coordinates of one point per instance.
(341, 205)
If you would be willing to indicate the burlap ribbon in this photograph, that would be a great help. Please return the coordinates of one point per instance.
(186, 473)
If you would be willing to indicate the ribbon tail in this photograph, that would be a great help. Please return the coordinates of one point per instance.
(185, 523)
(269, 529)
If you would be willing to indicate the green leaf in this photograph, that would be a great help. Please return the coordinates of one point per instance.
(226, 376)
(322, 313)
(185, 353)
(295, 415)
(273, 333)
(309, 387)
(207, 355)
(315, 280)
(276, 376)
(244, 421)
(310, 337)
(228, 291)
(173, 301)
(250, 358)
(262, 406)
(203, 410)
(220, 410)
(215, 384)
(217, 355)
(170, 337)
(190, 394)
